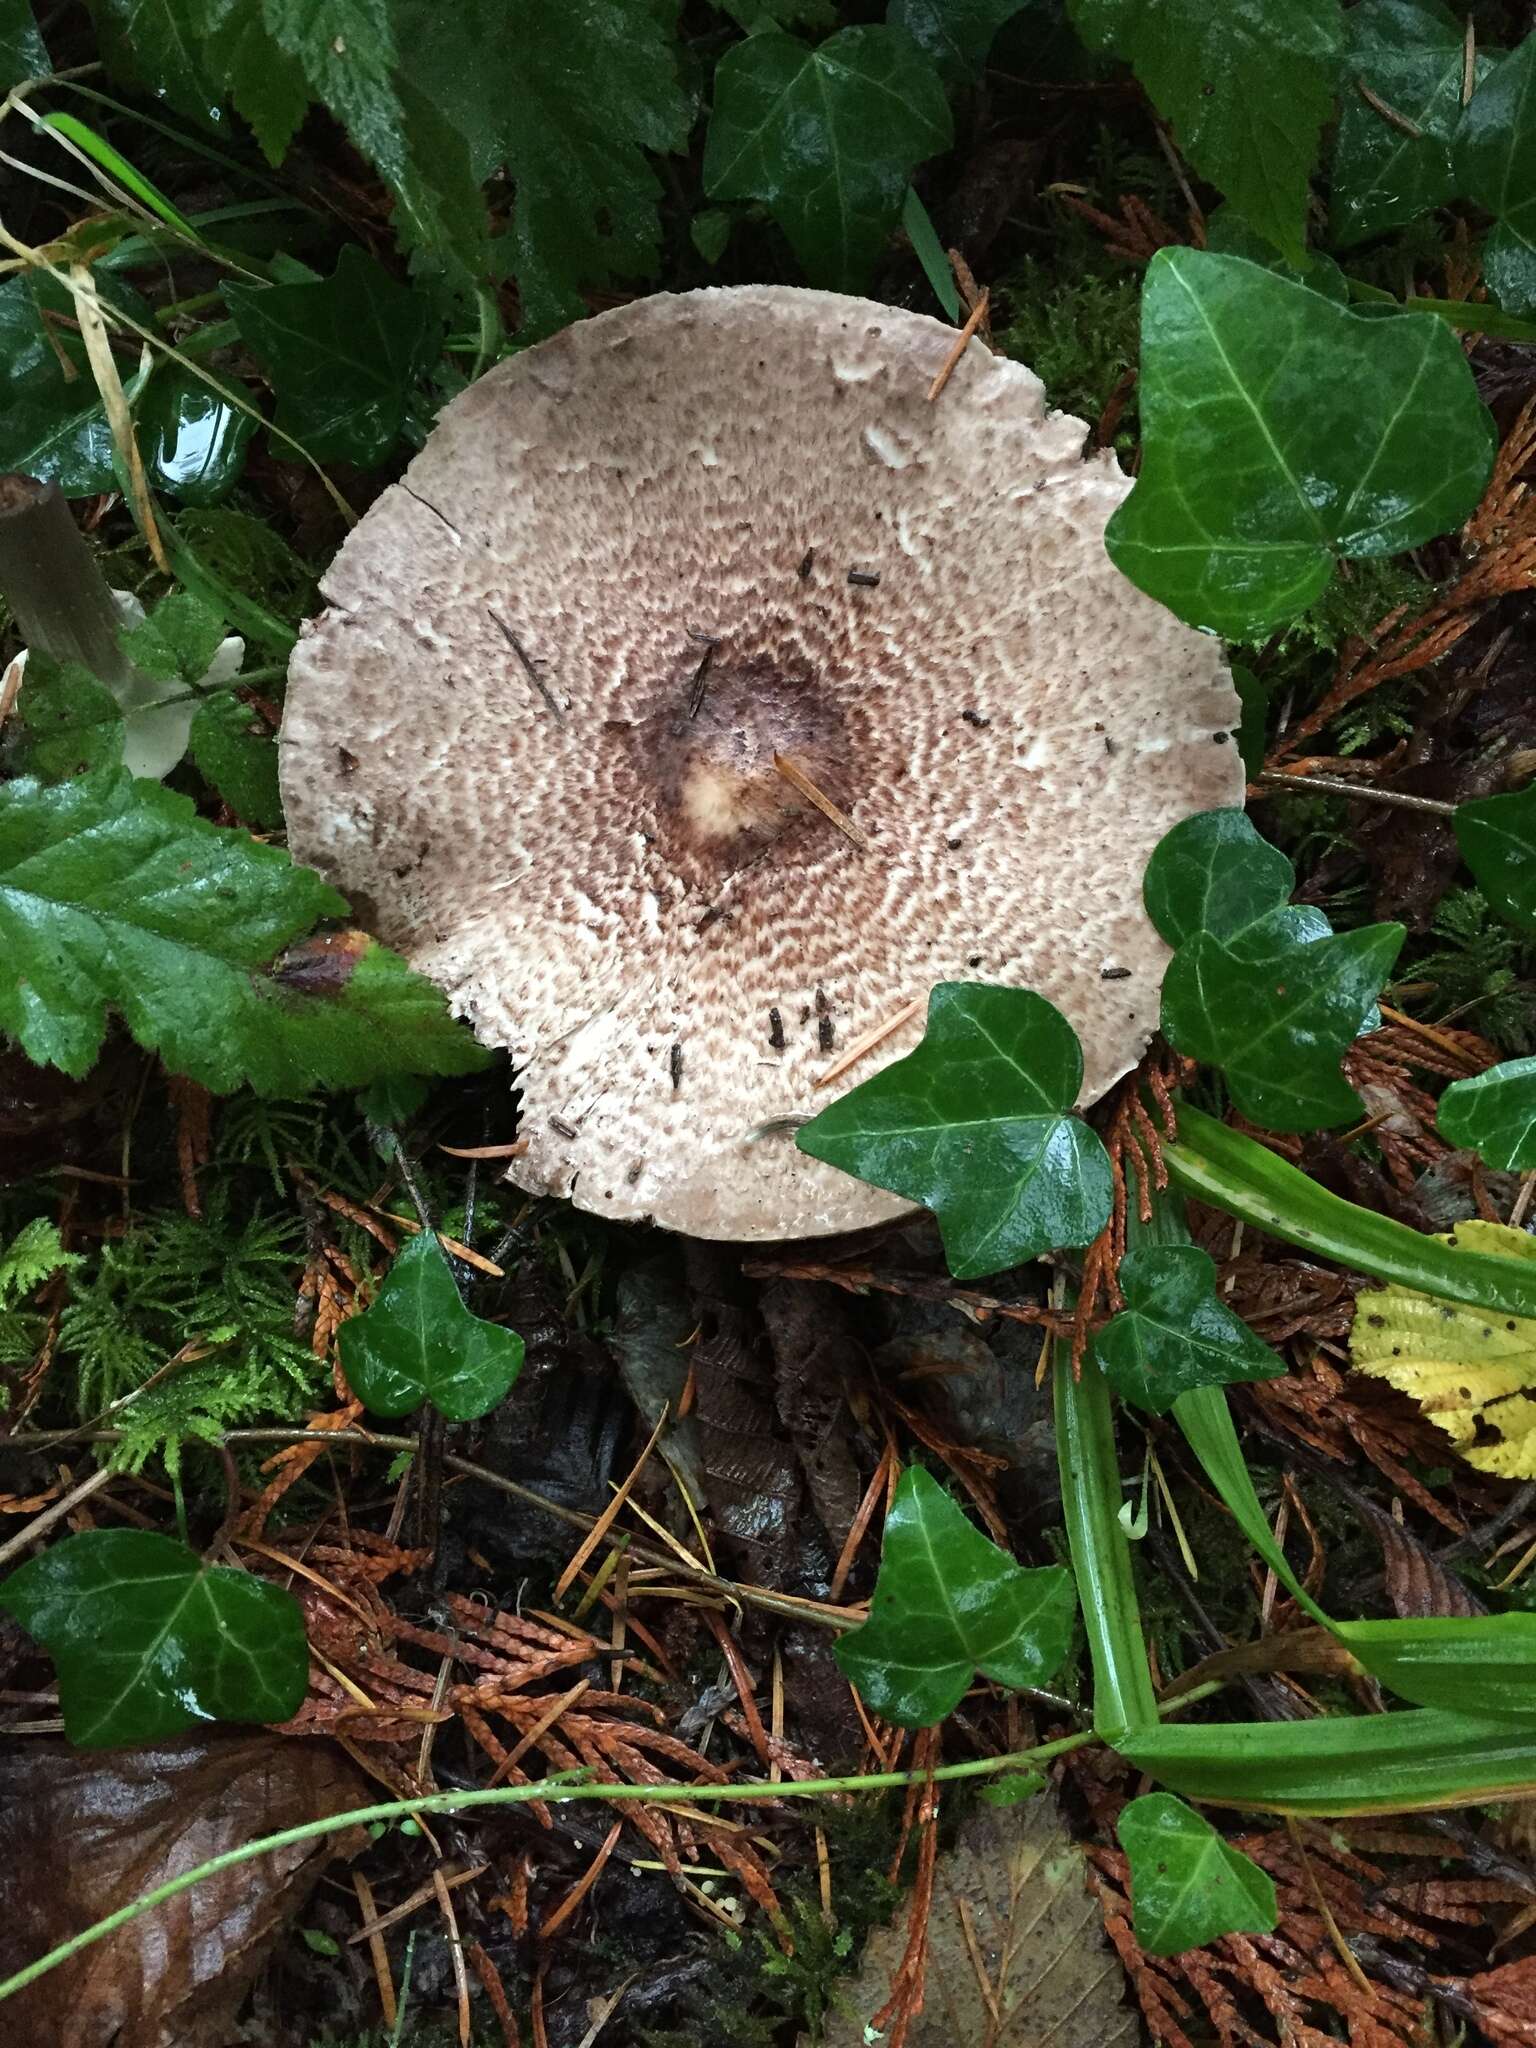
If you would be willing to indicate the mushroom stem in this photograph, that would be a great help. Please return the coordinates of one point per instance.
(798, 780)
(61, 602)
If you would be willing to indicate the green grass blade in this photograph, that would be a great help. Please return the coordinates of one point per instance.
(101, 152)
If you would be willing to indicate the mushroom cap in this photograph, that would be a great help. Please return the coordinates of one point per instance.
(534, 737)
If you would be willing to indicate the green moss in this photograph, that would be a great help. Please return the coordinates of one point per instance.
(1079, 333)
(1481, 970)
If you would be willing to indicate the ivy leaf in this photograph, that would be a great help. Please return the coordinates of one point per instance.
(1497, 837)
(828, 138)
(1495, 158)
(1282, 431)
(569, 96)
(418, 1342)
(238, 757)
(1495, 1115)
(1175, 1332)
(342, 355)
(1247, 90)
(956, 34)
(193, 442)
(947, 1604)
(1214, 873)
(1188, 1885)
(976, 1124)
(148, 1640)
(115, 894)
(23, 54)
(1411, 54)
(1228, 234)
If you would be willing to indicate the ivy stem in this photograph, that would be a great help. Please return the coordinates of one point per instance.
(62, 603)
(555, 1791)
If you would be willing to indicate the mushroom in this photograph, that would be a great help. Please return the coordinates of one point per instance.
(705, 693)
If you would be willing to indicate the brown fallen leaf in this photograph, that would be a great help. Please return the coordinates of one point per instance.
(82, 1834)
(1017, 1954)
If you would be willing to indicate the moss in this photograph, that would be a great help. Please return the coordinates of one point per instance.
(1079, 333)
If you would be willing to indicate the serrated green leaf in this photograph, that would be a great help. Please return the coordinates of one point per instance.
(976, 1124)
(238, 756)
(1188, 1885)
(418, 1342)
(947, 1604)
(70, 723)
(569, 96)
(23, 53)
(1497, 837)
(148, 1640)
(1495, 159)
(178, 641)
(265, 85)
(1213, 872)
(1282, 431)
(114, 894)
(957, 34)
(1247, 90)
(1411, 54)
(827, 138)
(193, 442)
(159, 43)
(1495, 1114)
(1174, 1332)
(33, 1255)
(343, 355)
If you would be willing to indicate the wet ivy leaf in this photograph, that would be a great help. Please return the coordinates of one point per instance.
(957, 34)
(342, 355)
(51, 422)
(828, 138)
(1188, 1885)
(1214, 873)
(1495, 158)
(237, 754)
(418, 1342)
(192, 441)
(148, 1640)
(23, 53)
(569, 96)
(1282, 431)
(1175, 1332)
(947, 1604)
(115, 895)
(1497, 837)
(1495, 1114)
(977, 1125)
(1247, 90)
(1228, 234)
(1411, 54)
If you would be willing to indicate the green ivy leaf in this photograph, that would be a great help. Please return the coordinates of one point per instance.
(1247, 90)
(148, 1640)
(1495, 159)
(1411, 54)
(23, 54)
(828, 138)
(342, 355)
(115, 894)
(1214, 873)
(956, 34)
(1495, 1115)
(947, 1604)
(1188, 1885)
(569, 96)
(976, 1124)
(193, 442)
(238, 757)
(1174, 1332)
(1497, 837)
(418, 1342)
(1282, 431)
(1228, 234)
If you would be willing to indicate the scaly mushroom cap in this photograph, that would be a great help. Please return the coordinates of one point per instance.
(534, 738)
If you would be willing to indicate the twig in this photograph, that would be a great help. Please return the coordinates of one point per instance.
(1278, 778)
(529, 670)
(41, 1524)
(962, 342)
(58, 596)
(1388, 113)
(798, 780)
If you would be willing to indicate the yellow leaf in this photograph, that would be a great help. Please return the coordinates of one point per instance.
(1472, 1373)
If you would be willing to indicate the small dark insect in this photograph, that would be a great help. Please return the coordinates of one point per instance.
(864, 579)
(676, 1064)
(775, 1030)
(975, 718)
(806, 560)
(1114, 974)
(1221, 738)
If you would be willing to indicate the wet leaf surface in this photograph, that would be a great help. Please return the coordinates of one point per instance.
(1495, 1114)
(1497, 837)
(192, 440)
(947, 1604)
(1495, 155)
(1175, 1332)
(82, 1835)
(418, 1342)
(1188, 1885)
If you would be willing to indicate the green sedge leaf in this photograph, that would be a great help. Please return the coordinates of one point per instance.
(23, 54)
(418, 1342)
(1214, 873)
(112, 161)
(1494, 1114)
(956, 34)
(1411, 55)
(828, 138)
(1174, 1332)
(977, 1125)
(343, 355)
(929, 251)
(237, 755)
(947, 1604)
(1188, 1885)
(1495, 158)
(1247, 91)
(1497, 837)
(148, 1640)
(1282, 431)
(193, 441)
(115, 895)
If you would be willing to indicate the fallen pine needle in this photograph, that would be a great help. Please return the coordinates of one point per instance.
(799, 781)
(963, 341)
(867, 1041)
